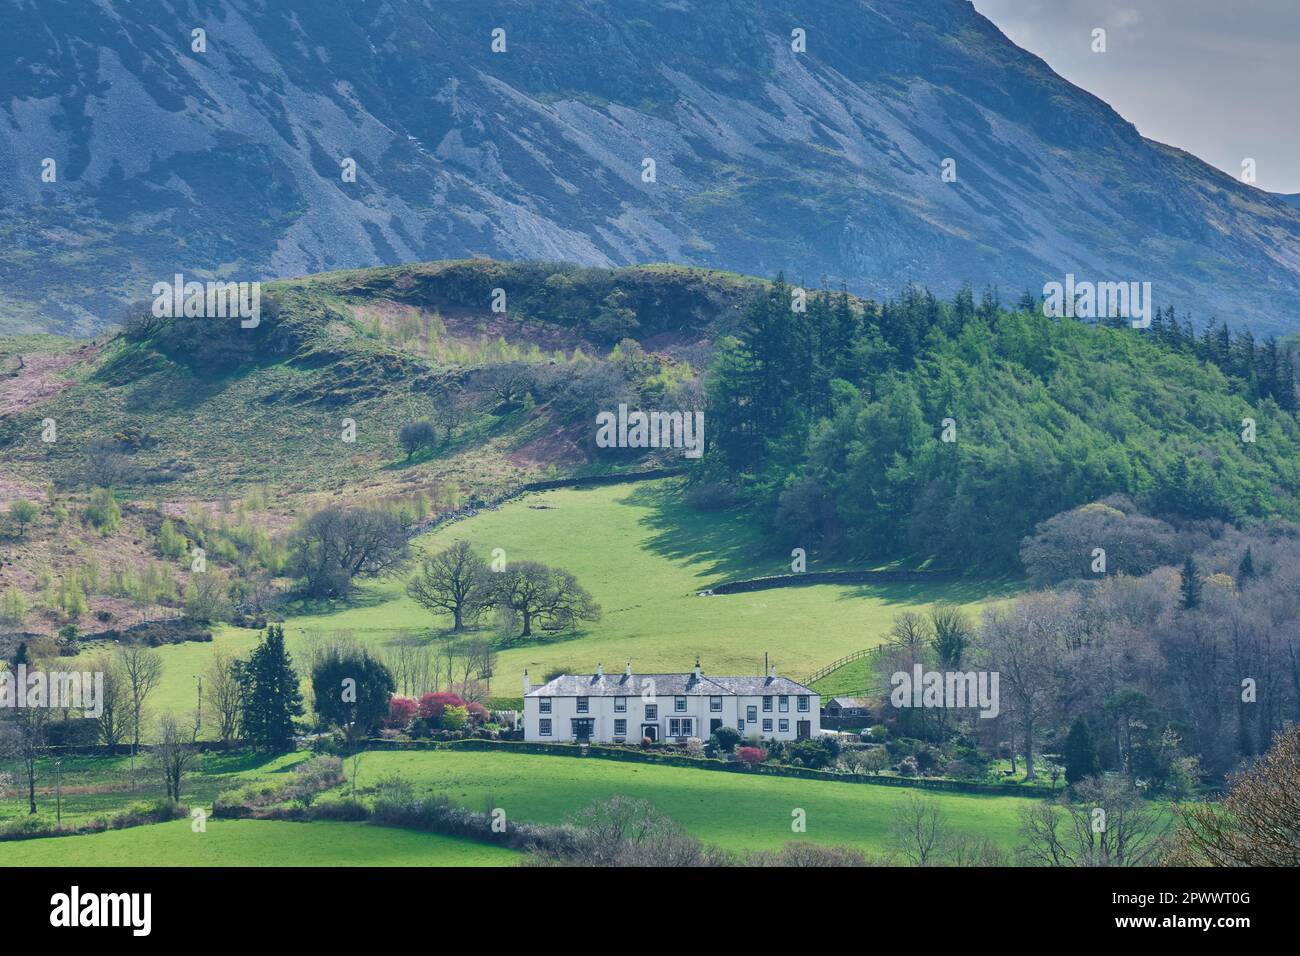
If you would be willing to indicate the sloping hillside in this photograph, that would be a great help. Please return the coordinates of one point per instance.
(765, 158)
(198, 408)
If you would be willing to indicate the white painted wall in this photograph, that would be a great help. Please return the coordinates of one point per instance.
(601, 710)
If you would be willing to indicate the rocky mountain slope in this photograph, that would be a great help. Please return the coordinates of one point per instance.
(230, 161)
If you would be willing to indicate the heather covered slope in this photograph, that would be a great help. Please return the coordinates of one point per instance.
(198, 408)
(819, 162)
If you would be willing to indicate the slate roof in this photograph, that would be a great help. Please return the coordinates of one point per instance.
(849, 701)
(665, 685)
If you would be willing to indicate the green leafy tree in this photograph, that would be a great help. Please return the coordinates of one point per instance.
(103, 511)
(13, 607)
(22, 513)
(350, 686)
(72, 599)
(454, 717)
(171, 543)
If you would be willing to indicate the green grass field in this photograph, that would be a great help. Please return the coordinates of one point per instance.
(255, 843)
(736, 811)
(739, 812)
(644, 555)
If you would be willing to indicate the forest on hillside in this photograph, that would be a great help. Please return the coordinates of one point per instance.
(942, 430)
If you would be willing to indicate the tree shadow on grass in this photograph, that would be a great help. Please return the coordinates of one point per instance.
(239, 761)
(734, 545)
(913, 593)
(359, 600)
(718, 545)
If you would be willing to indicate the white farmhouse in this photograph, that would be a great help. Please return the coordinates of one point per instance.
(627, 707)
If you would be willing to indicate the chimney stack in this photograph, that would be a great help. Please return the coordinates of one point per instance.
(600, 670)
(628, 672)
(527, 686)
(698, 672)
(771, 673)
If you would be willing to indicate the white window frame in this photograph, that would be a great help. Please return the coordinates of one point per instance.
(544, 727)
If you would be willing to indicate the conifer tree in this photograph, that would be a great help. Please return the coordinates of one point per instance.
(1247, 567)
(1190, 584)
(272, 697)
(1080, 753)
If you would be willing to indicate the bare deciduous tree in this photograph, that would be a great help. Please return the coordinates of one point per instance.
(142, 668)
(456, 581)
(1258, 822)
(1102, 821)
(333, 546)
(919, 830)
(173, 755)
(226, 692)
(1026, 645)
(623, 831)
(448, 412)
(548, 596)
(24, 736)
(114, 721)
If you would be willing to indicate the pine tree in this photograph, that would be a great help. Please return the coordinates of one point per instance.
(1247, 567)
(1190, 585)
(1080, 753)
(1286, 379)
(1223, 348)
(272, 698)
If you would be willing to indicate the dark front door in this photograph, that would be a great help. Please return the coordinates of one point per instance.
(650, 731)
(582, 727)
(714, 725)
(803, 728)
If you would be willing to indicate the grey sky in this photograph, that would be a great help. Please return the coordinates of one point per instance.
(1217, 78)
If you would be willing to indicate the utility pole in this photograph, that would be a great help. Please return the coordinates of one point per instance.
(58, 790)
(198, 714)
